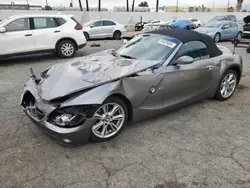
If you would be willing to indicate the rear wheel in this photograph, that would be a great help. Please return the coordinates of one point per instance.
(66, 49)
(111, 118)
(217, 37)
(117, 35)
(227, 85)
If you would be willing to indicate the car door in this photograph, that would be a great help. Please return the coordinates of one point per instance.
(187, 82)
(17, 38)
(108, 28)
(96, 30)
(226, 31)
(46, 32)
(234, 30)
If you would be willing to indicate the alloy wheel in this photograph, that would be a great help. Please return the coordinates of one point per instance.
(217, 38)
(239, 36)
(67, 49)
(110, 118)
(228, 85)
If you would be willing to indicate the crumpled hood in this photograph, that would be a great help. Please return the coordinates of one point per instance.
(87, 72)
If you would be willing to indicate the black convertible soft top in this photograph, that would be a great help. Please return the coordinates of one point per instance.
(186, 36)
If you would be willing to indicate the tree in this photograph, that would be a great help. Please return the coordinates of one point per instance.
(127, 5)
(99, 5)
(143, 4)
(239, 5)
(133, 5)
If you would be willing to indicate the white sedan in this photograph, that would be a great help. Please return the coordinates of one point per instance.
(197, 22)
(155, 22)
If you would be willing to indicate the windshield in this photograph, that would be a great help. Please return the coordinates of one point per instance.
(149, 47)
(150, 28)
(212, 25)
(86, 24)
(219, 18)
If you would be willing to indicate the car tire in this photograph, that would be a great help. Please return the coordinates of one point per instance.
(86, 36)
(66, 49)
(117, 35)
(104, 120)
(239, 36)
(217, 37)
(225, 90)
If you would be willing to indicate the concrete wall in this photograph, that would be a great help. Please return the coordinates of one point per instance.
(128, 17)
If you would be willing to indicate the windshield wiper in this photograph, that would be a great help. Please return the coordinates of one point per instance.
(127, 56)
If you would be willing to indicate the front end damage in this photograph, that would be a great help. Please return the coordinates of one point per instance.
(67, 125)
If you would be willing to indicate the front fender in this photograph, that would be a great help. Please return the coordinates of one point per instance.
(94, 96)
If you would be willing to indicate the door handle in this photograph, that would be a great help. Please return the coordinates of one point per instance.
(209, 67)
(57, 31)
(28, 35)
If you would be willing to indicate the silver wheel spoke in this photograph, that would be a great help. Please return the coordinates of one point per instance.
(98, 116)
(105, 109)
(118, 117)
(97, 126)
(104, 130)
(114, 110)
(230, 78)
(113, 126)
(232, 82)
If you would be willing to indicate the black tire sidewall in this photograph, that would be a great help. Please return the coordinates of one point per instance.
(218, 95)
(59, 47)
(120, 102)
(117, 35)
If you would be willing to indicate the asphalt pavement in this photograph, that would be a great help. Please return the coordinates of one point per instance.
(206, 144)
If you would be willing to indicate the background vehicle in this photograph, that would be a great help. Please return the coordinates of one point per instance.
(103, 29)
(222, 30)
(93, 97)
(196, 22)
(246, 26)
(155, 22)
(26, 34)
(225, 18)
(129, 35)
(183, 24)
(140, 25)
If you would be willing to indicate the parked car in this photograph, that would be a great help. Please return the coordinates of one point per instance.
(183, 24)
(225, 18)
(95, 96)
(140, 25)
(246, 26)
(129, 35)
(222, 30)
(155, 22)
(25, 34)
(196, 22)
(103, 29)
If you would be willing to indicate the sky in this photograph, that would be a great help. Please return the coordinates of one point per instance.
(111, 3)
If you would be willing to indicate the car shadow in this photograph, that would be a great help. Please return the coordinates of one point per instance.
(34, 58)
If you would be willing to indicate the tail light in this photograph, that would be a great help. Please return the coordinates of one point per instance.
(78, 27)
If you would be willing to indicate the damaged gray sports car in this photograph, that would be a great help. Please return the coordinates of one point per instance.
(94, 97)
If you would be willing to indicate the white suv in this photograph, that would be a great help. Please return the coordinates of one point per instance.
(25, 34)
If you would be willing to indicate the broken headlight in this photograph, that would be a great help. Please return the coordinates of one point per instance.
(72, 116)
(67, 117)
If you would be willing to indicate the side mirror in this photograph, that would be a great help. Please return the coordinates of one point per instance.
(184, 60)
(2, 30)
(92, 26)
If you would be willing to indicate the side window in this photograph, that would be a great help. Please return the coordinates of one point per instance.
(108, 23)
(195, 49)
(98, 24)
(60, 21)
(226, 25)
(18, 25)
(45, 23)
(234, 25)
